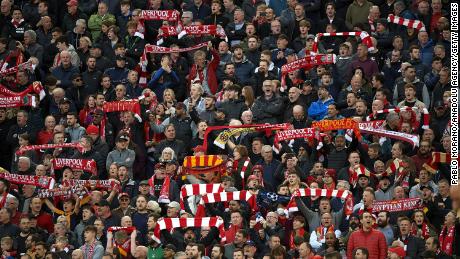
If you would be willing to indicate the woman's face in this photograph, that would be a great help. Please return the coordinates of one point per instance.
(418, 217)
(195, 92)
(160, 110)
(113, 172)
(450, 219)
(359, 72)
(167, 96)
(236, 154)
(330, 239)
(91, 102)
(83, 43)
(167, 155)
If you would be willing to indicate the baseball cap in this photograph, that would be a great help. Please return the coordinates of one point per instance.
(120, 57)
(426, 187)
(398, 250)
(363, 175)
(72, 3)
(174, 204)
(289, 52)
(310, 36)
(92, 130)
(252, 177)
(103, 203)
(122, 138)
(65, 100)
(123, 194)
(439, 104)
(250, 243)
(144, 182)
(258, 167)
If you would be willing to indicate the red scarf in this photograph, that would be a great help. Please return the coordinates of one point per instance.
(198, 189)
(90, 249)
(20, 67)
(44, 182)
(35, 87)
(164, 192)
(301, 233)
(103, 184)
(320, 231)
(437, 158)
(307, 63)
(3, 200)
(196, 30)
(125, 105)
(15, 23)
(88, 165)
(125, 248)
(328, 125)
(426, 114)
(17, 101)
(425, 230)
(446, 239)
(62, 192)
(126, 229)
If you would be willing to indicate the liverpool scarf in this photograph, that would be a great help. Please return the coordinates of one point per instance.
(224, 197)
(45, 182)
(159, 49)
(164, 191)
(102, 184)
(365, 125)
(17, 101)
(60, 192)
(148, 15)
(307, 192)
(309, 133)
(171, 223)
(365, 38)
(21, 150)
(426, 114)
(306, 63)
(257, 128)
(7, 62)
(126, 229)
(88, 165)
(198, 189)
(328, 125)
(125, 105)
(35, 87)
(397, 205)
(415, 24)
(196, 30)
(437, 157)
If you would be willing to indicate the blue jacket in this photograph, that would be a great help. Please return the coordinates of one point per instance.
(426, 53)
(244, 71)
(318, 110)
(117, 75)
(170, 80)
(64, 75)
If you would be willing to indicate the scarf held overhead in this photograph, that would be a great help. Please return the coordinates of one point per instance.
(415, 24)
(257, 128)
(397, 205)
(21, 150)
(45, 182)
(306, 63)
(34, 88)
(426, 114)
(88, 165)
(196, 30)
(365, 38)
(328, 125)
(60, 192)
(436, 158)
(412, 139)
(223, 197)
(171, 223)
(307, 192)
(102, 184)
(125, 105)
(198, 189)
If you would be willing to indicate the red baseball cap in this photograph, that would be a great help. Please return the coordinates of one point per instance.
(398, 250)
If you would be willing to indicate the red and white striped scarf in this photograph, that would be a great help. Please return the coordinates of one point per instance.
(307, 192)
(416, 24)
(365, 38)
(424, 229)
(436, 158)
(244, 169)
(224, 197)
(412, 139)
(426, 114)
(198, 189)
(354, 173)
(171, 223)
(23, 149)
(13, 54)
(365, 125)
(307, 63)
(446, 239)
(371, 24)
(163, 197)
(88, 165)
(45, 182)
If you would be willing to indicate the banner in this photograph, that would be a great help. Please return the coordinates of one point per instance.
(328, 125)
(397, 205)
(87, 165)
(365, 38)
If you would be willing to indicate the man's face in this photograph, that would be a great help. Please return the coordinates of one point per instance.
(293, 94)
(251, 30)
(236, 219)
(276, 27)
(71, 120)
(239, 239)
(354, 159)
(40, 251)
(238, 255)
(367, 220)
(267, 88)
(409, 93)
(215, 253)
(238, 16)
(404, 227)
(429, 245)
(170, 133)
(382, 220)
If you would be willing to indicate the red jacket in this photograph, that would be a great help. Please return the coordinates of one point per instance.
(373, 240)
(210, 71)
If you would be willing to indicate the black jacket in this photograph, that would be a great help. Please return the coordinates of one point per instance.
(233, 108)
(268, 111)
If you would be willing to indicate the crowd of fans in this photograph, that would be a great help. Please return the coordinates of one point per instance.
(87, 53)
